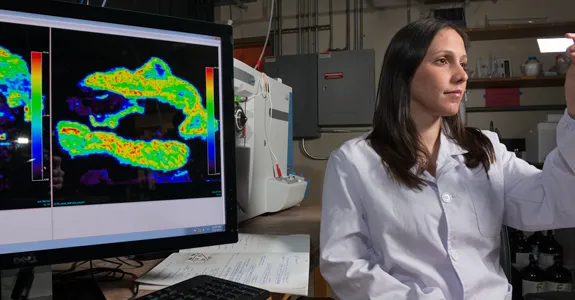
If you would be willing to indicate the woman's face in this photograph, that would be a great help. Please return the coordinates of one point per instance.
(440, 80)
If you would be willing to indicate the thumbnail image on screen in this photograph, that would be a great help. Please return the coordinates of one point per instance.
(134, 119)
(24, 103)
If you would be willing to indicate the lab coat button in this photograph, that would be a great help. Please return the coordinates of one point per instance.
(446, 197)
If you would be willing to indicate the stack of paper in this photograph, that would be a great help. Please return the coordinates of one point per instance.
(278, 263)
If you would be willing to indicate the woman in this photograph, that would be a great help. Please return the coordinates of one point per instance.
(413, 210)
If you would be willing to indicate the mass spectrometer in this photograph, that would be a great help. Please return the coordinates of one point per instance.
(265, 179)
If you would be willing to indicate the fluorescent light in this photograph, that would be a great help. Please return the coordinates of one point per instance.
(554, 45)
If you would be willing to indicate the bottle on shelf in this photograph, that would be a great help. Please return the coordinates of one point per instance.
(557, 278)
(520, 250)
(548, 249)
(516, 282)
(532, 278)
(534, 240)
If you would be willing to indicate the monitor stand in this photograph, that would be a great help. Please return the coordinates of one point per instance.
(36, 284)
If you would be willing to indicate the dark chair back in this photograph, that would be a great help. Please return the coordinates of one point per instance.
(505, 256)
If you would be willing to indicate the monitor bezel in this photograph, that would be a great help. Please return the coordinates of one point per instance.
(145, 20)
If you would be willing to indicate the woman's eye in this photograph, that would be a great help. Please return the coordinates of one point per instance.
(442, 61)
(464, 65)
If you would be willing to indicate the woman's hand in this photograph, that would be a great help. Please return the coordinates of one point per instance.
(570, 78)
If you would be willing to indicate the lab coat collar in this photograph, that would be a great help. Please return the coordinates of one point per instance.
(450, 154)
(448, 158)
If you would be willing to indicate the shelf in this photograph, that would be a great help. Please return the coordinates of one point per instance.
(515, 108)
(448, 1)
(238, 3)
(516, 82)
(518, 31)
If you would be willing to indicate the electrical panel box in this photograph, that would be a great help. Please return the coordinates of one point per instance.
(299, 72)
(329, 89)
(346, 94)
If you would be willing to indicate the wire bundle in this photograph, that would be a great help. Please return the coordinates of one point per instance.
(101, 274)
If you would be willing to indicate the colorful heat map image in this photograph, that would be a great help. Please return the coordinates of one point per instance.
(15, 82)
(24, 122)
(18, 85)
(157, 155)
(21, 86)
(152, 81)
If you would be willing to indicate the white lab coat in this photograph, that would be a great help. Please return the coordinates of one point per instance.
(380, 240)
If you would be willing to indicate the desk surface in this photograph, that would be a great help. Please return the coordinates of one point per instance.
(297, 220)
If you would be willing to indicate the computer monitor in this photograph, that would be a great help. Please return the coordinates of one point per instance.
(116, 133)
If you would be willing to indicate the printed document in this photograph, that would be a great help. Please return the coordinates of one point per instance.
(276, 263)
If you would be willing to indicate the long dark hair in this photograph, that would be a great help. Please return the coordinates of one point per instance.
(394, 136)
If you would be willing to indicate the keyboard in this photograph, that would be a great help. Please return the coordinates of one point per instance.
(205, 287)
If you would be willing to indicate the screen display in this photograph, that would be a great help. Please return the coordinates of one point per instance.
(108, 133)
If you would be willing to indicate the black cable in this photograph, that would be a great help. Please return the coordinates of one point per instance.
(122, 262)
(23, 284)
(139, 263)
(118, 265)
(101, 274)
(72, 268)
(135, 290)
(92, 267)
(110, 274)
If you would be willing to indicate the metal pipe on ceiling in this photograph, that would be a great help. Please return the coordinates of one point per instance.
(305, 24)
(301, 17)
(330, 24)
(298, 25)
(355, 27)
(294, 30)
(273, 32)
(360, 24)
(274, 13)
(280, 27)
(347, 25)
(309, 12)
(302, 26)
(367, 9)
(316, 24)
(306, 27)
